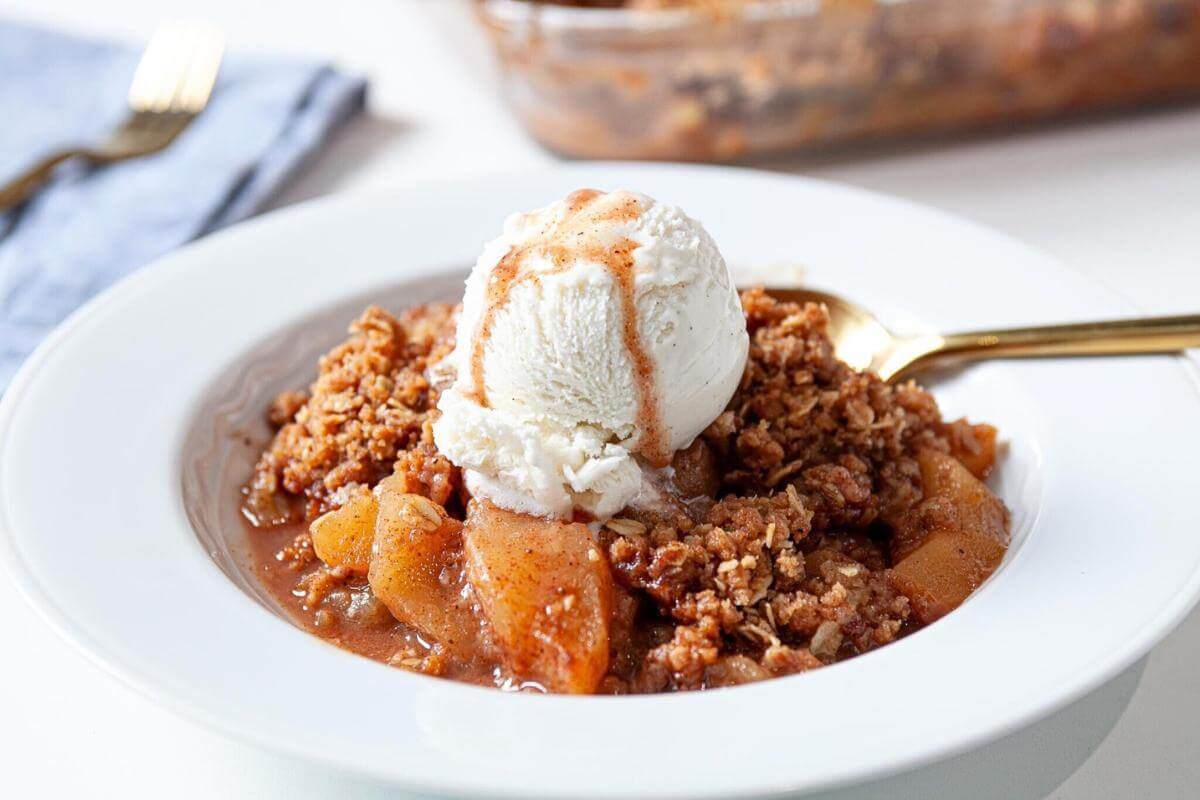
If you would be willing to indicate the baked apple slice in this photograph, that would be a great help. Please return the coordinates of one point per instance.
(977, 508)
(547, 591)
(416, 570)
(343, 537)
(974, 446)
(943, 572)
(950, 543)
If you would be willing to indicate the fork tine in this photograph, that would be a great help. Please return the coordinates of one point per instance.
(154, 76)
(202, 71)
(177, 70)
(186, 55)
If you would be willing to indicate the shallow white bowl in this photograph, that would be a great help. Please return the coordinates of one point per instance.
(120, 452)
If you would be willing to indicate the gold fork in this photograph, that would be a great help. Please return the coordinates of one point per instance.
(170, 87)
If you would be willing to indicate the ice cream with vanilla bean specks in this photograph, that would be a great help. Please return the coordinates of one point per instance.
(598, 336)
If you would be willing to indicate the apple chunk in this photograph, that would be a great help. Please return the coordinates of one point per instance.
(342, 537)
(416, 570)
(974, 446)
(547, 591)
(950, 543)
(943, 572)
(976, 508)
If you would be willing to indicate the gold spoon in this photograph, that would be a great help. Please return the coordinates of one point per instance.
(862, 342)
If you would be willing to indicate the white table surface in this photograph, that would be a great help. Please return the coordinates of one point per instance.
(1117, 199)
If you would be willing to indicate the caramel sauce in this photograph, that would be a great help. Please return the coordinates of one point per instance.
(569, 240)
(651, 444)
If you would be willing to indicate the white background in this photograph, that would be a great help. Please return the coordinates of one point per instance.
(1118, 199)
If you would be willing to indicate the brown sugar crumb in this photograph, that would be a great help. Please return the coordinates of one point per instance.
(415, 658)
(318, 585)
(284, 407)
(428, 473)
(367, 409)
(298, 553)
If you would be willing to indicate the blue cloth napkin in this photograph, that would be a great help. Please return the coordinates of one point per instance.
(90, 227)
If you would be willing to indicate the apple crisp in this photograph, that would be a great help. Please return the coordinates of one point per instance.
(823, 514)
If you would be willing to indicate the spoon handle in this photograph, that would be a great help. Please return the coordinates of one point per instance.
(1115, 337)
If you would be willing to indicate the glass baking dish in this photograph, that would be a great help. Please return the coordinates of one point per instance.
(785, 74)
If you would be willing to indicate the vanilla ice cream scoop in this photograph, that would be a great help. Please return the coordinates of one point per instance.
(598, 336)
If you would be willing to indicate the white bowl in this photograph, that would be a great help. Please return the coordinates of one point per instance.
(120, 451)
